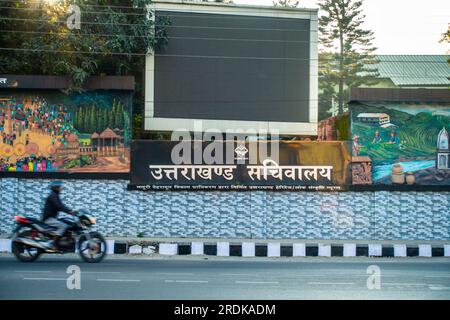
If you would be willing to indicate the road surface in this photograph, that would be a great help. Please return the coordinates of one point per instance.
(227, 278)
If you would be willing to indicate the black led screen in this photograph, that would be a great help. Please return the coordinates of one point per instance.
(232, 67)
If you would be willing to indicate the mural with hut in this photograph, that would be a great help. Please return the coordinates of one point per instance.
(44, 131)
(401, 143)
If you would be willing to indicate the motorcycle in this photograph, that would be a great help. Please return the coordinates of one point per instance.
(32, 237)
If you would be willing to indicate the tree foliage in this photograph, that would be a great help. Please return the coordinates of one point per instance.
(347, 55)
(113, 38)
(221, 1)
(93, 118)
(286, 3)
(446, 36)
(446, 39)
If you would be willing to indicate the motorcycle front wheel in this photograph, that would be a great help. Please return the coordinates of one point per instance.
(22, 251)
(92, 250)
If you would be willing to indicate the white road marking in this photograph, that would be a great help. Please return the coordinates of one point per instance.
(173, 274)
(46, 279)
(119, 280)
(257, 282)
(438, 288)
(331, 283)
(29, 271)
(185, 281)
(443, 276)
(96, 272)
(405, 284)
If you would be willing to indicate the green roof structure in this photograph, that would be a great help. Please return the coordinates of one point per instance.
(415, 70)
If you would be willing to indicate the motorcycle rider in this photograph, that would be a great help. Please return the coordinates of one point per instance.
(53, 205)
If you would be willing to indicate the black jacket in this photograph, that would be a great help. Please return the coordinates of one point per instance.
(53, 205)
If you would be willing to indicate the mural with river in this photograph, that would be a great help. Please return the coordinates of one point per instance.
(402, 143)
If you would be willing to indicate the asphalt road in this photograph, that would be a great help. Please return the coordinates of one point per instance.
(228, 278)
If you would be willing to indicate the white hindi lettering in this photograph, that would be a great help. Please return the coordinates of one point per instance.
(205, 173)
(325, 172)
(185, 172)
(311, 172)
(157, 174)
(254, 170)
(189, 172)
(293, 173)
(228, 172)
(271, 168)
(172, 171)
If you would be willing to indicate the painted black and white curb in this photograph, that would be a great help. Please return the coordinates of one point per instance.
(271, 249)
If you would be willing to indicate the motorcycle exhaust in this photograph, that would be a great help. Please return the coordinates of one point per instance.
(32, 243)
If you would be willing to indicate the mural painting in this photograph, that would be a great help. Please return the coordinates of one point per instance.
(401, 143)
(49, 131)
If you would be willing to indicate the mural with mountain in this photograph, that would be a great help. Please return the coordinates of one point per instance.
(400, 140)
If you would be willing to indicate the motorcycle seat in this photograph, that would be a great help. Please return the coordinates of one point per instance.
(41, 224)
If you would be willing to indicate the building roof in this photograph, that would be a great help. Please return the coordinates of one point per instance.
(372, 115)
(108, 134)
(192, 4)
(435, 95)
(94, 135)
(72, 138)
(415, 70)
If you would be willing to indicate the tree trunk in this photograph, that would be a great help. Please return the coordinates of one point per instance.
(341, 75)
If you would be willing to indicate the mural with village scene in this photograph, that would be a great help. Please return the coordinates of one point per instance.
(400, 143)
(49, 131)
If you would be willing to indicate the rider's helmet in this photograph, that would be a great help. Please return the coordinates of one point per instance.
(56, 185)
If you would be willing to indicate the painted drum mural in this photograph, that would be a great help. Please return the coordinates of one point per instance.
(49, 131)
(400, 143)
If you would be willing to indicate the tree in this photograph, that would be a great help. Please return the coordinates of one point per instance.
(348, 58)
(446, 39)
(446, 36)
(92, 119)
(99, 127)
(105, 118)
(113, 38)
(327, 92)
(110, 119)
(86, 122)
(222, 1)
(119, 116)
(127, 129)
(75, 119)
(79, 124)
(286, 3)
(113, 115)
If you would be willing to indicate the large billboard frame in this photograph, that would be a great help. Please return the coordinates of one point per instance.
(152, 123)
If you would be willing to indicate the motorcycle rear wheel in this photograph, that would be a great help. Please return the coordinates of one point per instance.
(23, 252)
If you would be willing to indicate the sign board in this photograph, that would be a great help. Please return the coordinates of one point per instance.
(233, 165)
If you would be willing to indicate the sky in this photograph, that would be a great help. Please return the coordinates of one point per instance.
(400, 26)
